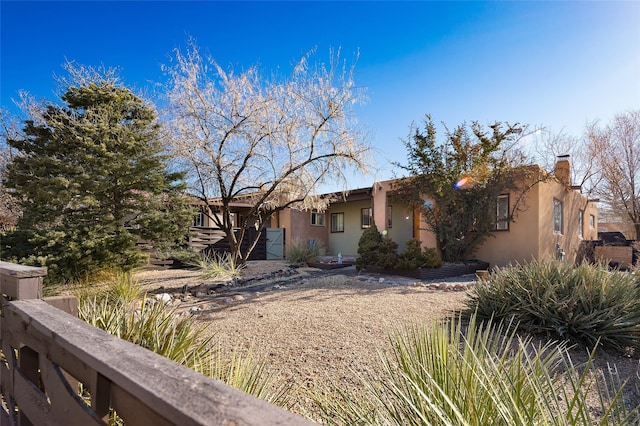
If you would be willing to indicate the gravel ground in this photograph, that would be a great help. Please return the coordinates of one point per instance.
(320, 328)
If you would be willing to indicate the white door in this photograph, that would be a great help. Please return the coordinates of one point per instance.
(275, 243)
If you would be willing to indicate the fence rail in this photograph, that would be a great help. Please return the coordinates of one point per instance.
(48, 353)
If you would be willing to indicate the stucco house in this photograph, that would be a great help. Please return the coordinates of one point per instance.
(552, 220)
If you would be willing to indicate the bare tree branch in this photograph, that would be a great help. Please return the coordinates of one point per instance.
(271, 143)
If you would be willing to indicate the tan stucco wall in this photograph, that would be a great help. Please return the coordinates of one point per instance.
(421, 231)
(531, 234)
(569, 240)
(520, 243)
(402, 225)
(297, 225)
(346, 242)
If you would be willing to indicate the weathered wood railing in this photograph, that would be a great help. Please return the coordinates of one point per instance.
(48, 353)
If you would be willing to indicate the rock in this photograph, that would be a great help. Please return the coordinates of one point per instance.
(199, 289)
(218, 288)
(164, 298)
(381, 280)
(237, 297)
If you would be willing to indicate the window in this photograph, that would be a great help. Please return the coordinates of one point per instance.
(198, 221)
(389, 217)
(502, 213)
(580, 222)
(557, 216)
(317, 219)
(592, 221)
(365, 218)
(337, 222)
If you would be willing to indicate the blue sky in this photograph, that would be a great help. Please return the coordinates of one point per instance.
(551, 64)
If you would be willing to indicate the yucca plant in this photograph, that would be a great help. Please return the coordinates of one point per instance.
(156, 326)
(218, 266)
(300, 252)
(583, 304)
(152, 325)
(453, 373)
(245, 373)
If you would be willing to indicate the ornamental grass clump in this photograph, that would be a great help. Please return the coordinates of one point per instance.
(458, 373)
(583, 304)
(300, 252)
(121, 308)
(218, 266)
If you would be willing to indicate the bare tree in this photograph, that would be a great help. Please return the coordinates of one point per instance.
(268, 142)
(584, 167)
(617, 149)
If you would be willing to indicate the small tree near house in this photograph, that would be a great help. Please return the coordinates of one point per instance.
(265, 143)
(462, 176)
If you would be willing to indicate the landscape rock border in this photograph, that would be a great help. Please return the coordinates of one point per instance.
(223, 293)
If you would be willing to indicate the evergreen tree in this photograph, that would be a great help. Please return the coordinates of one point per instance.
(92, 182)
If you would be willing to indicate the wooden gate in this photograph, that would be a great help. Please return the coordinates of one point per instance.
(275, 243)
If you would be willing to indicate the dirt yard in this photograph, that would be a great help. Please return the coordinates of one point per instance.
(317, 329)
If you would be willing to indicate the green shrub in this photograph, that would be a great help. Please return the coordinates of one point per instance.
(300, 252)
(583, 304)
(414, 257)
(478, 374)
(367, 247)
(376, 250)
(431, 258)
(387, 254)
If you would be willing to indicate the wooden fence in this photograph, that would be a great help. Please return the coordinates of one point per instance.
(48, 353)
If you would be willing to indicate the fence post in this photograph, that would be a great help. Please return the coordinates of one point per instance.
(19, 282)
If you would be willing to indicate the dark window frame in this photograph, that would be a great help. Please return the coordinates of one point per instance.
(317, 219)
(581, 223)
(502, 219)
(558, 216)
(198, 220)
(337, 226)
(364, 224)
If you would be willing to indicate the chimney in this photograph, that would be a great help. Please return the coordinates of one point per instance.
(562, 170)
